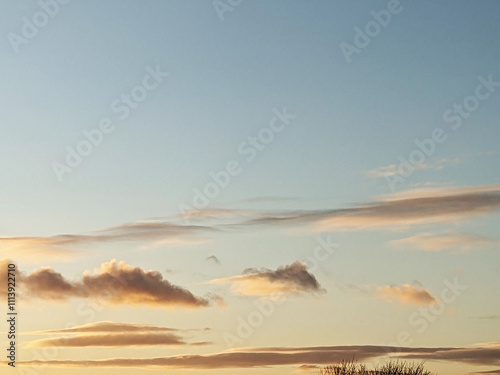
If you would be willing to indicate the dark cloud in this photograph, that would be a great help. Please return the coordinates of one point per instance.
(114, 283)
(290, 279)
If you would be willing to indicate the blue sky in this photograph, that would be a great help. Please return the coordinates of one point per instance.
(351, 123)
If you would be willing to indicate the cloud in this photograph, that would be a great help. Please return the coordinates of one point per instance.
(445, 241)
(38, 249)
(314, 369)
(113, 334)
(291, 279)
(111, 339)
(396, 211)
(213, 259)
(282, 356)
(114, 283)
(489, 317)
(201, 343)
(391, 212)
(176, 241)
(436, 191)
(62, 247)
(389, 170)
(214, 213)
(110, 327)
(270, 198)
(45, 283)
(485, 354)
(393, 169)
(354, 288)
(406, 294)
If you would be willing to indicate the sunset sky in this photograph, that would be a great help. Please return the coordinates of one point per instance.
(250, 187)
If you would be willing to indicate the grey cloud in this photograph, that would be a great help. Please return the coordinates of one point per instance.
(289, 279)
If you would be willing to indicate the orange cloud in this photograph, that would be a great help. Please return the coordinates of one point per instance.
(114, 283)
(406, 294)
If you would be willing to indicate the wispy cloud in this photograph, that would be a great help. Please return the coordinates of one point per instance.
(488, 317)
(292, 279)
(484, 354)
(436, 191)
(274, 198)
(112, 334)
(491, 372)
(111, 339)
(393, 169)
(400, 211)
(312, 369)
(395, 211)
(114, 283)
(110, 327)
(281, 356)
(457, 242)
(406, 294)
(391, 212)
(38, 249)
(65, 247)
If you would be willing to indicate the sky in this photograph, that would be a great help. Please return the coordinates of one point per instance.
(250, 186)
